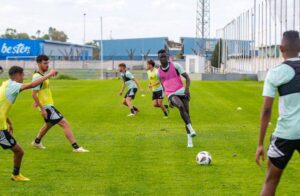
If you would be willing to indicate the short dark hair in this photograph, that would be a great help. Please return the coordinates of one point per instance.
(151, 62)
(41, 58)
(122, 65)
(1, 68)
(161, 51)
(291, 41)
(15, 70)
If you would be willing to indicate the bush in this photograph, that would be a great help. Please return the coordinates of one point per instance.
(65, 77)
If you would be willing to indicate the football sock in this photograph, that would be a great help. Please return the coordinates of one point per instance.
(189, 126)
(132, 110)
(135, 108)
(16, 171)
(187, 130)
(166, 113)
(166, 106)
(190, 139)
(37, 140)
(75, 145)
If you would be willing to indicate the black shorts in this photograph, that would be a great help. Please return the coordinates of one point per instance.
(281, 150)
(157, 95)
(7, 141)
(131, 93)
(53, 116)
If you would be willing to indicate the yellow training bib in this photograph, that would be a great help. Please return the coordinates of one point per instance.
(5, 106)
(152, 76)
(44, 93)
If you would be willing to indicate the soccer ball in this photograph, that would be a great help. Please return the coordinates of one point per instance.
(203, 158)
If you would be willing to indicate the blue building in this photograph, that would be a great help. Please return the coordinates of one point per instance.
(27, 49)
(145, 48)
(236, 48)
(133, 49)
(193, 46)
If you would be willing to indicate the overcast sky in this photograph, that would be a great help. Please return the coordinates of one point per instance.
(121, 18)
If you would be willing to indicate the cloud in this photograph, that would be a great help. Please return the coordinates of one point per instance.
(166, 4)
(158, 3)
(104, 5)
(7, 9)
(125, 18)
(175, 5)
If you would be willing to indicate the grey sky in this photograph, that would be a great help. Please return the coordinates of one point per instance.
(124, 18)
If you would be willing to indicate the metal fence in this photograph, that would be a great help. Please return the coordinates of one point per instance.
(85, 70)
(262, 26)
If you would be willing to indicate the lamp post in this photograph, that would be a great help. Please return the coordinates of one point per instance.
(101, 45)
(84, 36)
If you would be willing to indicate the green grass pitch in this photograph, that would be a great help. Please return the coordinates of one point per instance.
(146, 154)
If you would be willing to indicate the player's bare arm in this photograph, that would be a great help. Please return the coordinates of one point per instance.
(9, 126)
(151, 85)
(122, 89)
(265, 119)
(187, 83)
(137, 83)
(38, 81)
(38, 103)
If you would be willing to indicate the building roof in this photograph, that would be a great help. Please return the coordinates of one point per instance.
(46, 41)
(67, 43)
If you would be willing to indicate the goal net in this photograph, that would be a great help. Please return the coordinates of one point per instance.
(26, 62)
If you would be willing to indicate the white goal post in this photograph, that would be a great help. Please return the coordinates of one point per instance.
(26, 62)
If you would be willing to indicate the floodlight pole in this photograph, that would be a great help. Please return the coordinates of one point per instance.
(84, 32)
(101, 47)
(254, 37)
(84, 36)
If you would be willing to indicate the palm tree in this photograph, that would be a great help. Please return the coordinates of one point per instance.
(38, 34)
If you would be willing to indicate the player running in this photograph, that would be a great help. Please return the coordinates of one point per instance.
(133, 85)
(43, 100)
(179, 96)
(283, 78)
(155, 86)
(9, 92)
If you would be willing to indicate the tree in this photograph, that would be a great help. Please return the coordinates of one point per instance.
(45, 37)
(216, 59)
(38, 34)
(146, 54)
(13, 34)
(130, 54)
(22, 36)
(57, 35)
(53, 34)
(96, 50)
(9, 33)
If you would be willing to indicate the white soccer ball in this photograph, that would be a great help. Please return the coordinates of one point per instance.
(203, 158)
